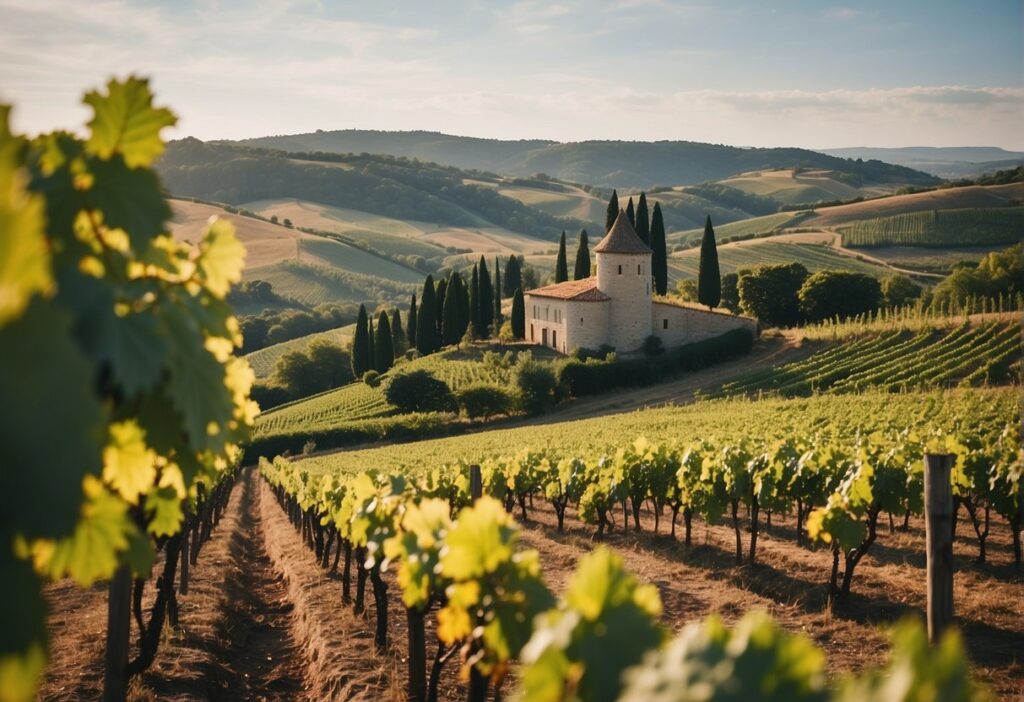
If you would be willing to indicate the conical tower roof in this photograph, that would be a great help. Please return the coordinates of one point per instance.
(622, 239)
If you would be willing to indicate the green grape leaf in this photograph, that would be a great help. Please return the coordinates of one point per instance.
(480, 540)
(126, 122)
(24, 252)
(129, 465)
(43, 372)
(129, 199)
(163, 504)
(104, 529)
(221, 257)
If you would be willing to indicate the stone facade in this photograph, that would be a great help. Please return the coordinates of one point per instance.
(615, 307)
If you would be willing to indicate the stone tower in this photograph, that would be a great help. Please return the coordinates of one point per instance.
(624, 275)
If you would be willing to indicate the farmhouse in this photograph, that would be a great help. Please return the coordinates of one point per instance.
(615, 307)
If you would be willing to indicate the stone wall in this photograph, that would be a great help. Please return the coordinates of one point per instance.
(676, 325)
(586, 324)
(546, 322)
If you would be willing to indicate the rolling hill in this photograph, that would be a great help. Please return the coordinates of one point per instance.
(622, 164)
(945, 162)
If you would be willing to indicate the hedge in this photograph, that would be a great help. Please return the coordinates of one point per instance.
(594, 377)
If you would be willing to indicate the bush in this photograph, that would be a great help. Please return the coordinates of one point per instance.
(419, 391)
(268, 395)
(483, 400)
(371, 378)
(536, 383)
(653, 346)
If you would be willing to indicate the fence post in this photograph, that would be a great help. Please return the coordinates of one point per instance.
(938, 507)
(476, 483)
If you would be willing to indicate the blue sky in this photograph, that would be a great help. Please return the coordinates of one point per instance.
(809, 74)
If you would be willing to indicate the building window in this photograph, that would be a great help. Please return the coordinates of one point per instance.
(620, 270)
(664, 324)
(531, 332)
(554, 339)
(581, 321)
(638, 269)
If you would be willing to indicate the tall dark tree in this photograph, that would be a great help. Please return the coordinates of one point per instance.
(463, 306)
(397, 333)
(561, 265)
(659, 257)
(474, 303)
(612, 212)
(450, 315)
(643, 224)
(582, 267)
(410, 333)
(630, 213)
(518, 315)
(360, 345)
(426, 324)
(439, 296)
(497, 294)
(486, 300)
(383, 345)
(371, 344)
(709, 277)
(513, 276)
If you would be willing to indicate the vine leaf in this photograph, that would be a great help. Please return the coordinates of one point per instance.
(126, 122)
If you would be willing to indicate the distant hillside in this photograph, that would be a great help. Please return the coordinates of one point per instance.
(945, 162)
(621, 164)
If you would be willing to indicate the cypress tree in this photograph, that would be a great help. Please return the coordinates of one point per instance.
(612, 212)
(426, 325)
(371, 345)
(518, 315)
(360, 349)
(630, 214)
(709, 278)
(397, 333)
(582, 269)
(474, 303)
(463, 300)
(383, 346)
(411, 331)
(659, 259)
(643, 222)
(450, 315)
(486, 300)
(439, 295)
(561, 266)
(497, 294)
(513, 276)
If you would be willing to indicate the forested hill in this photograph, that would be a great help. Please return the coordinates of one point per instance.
(384, 185)
(621, 164)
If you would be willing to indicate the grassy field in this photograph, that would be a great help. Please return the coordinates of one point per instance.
(264, 360)
(311, 284)
(685, 264)
(349, 258)
(755, 226)
(791, 188)
(963, 227)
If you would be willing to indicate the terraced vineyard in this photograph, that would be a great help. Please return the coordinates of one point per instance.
(896, 361)
(964, 227)
(264, 360)
(731, 257)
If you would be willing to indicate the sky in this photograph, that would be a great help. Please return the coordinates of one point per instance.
(786, 73)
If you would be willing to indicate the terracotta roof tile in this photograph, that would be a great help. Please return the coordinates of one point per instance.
(579, 290)
(622, 239)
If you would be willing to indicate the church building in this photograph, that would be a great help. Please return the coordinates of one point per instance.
(615, 307)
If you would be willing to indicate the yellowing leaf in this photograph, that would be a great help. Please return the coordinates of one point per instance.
(221, 257)
(126, 122)
(129, 465)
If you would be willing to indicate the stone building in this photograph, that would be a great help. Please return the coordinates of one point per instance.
(615, 307)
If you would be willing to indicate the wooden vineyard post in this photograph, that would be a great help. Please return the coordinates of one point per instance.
(938, 508)
(476, 483)
(115, 675)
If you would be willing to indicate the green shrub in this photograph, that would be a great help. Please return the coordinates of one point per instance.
(419, 391)
(653, 346)
(268, 395)
(371, 378)
(483, 400)
(536, 382)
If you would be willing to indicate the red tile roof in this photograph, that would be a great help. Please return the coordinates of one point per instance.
(622, 239)
(580, 290)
